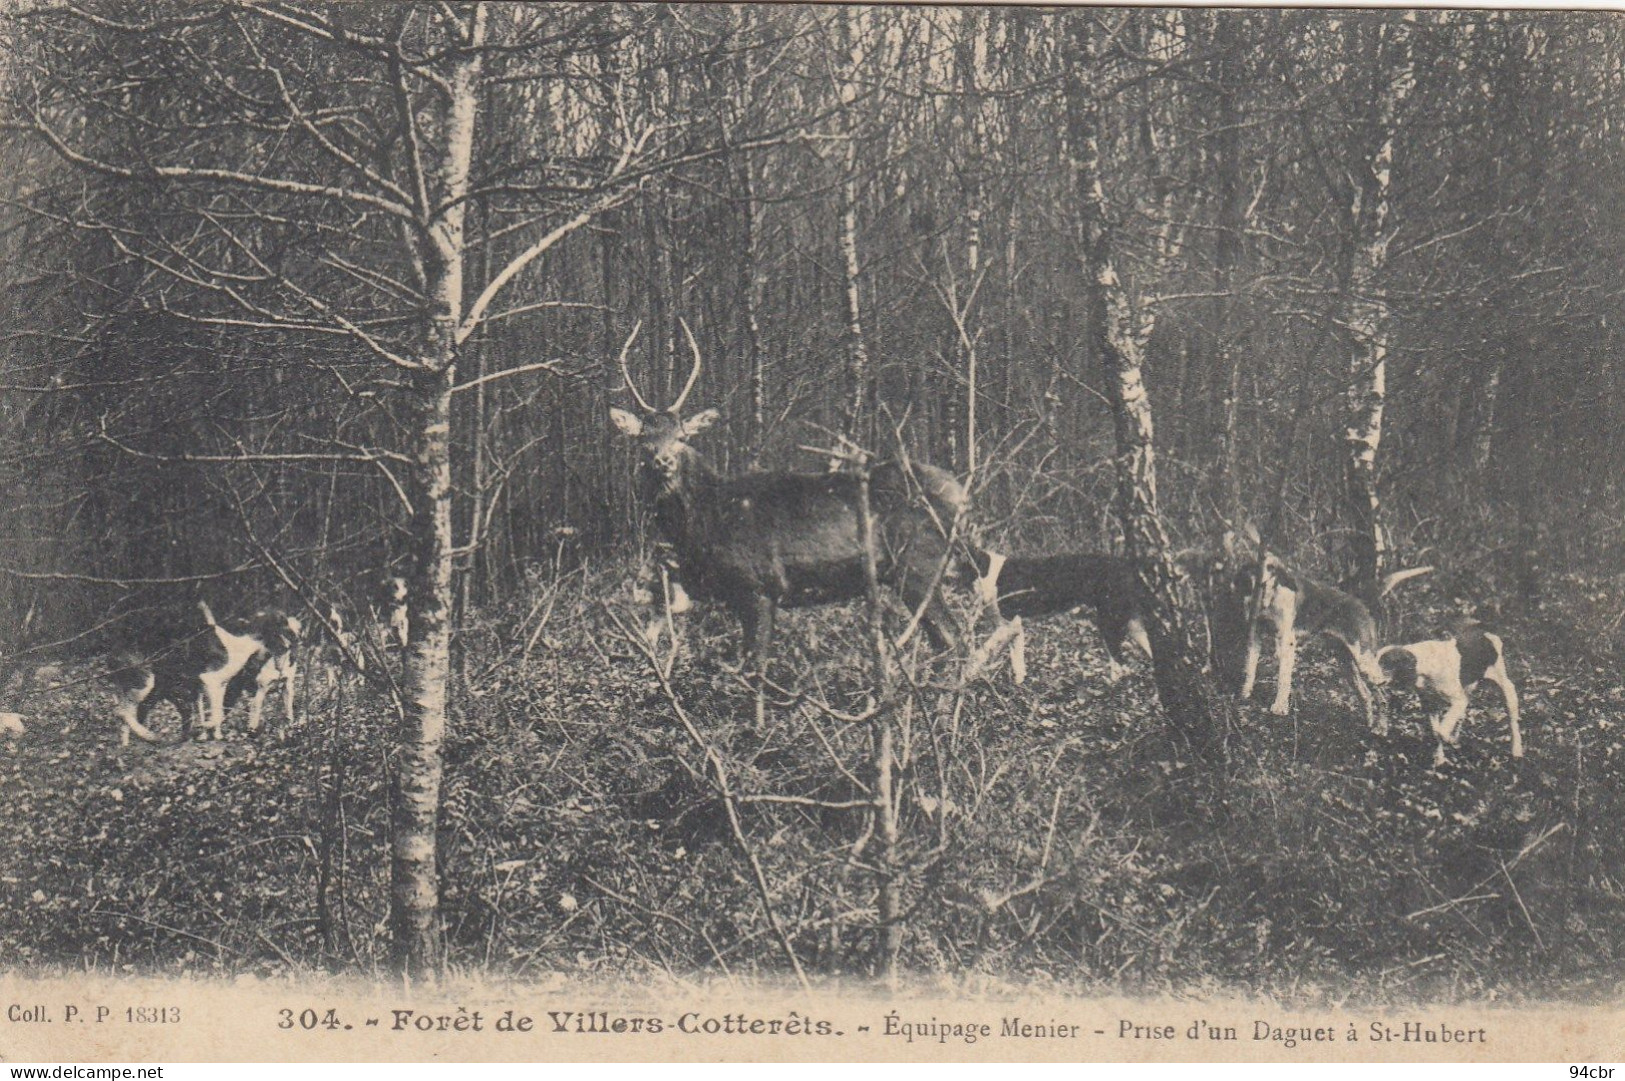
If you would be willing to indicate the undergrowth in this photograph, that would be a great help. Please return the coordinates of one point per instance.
(1051, 835)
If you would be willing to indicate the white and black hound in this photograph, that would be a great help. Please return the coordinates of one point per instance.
(204, 666)
(659, 584)
(1444, 671)
(1296, 607)
(394, 620)
(1029, 587)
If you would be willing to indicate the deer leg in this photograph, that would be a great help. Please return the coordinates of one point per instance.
(756, 616)
(937, 625)
(1112, 632)
(912, 582)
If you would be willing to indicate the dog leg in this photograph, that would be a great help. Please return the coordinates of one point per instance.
(256, 704)
(1497, 674)
(1250, 664)
(1286, 655)
(214, 699)
(1018, 653)
(1375, 721)
(128, 710)
(1447, 726)
(1113, 629)
(652, 631)
(1005, 635)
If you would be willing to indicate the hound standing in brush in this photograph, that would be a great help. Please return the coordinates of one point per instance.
(203, 668)
(1031, 587)
(1444, 671)
(1296, 606)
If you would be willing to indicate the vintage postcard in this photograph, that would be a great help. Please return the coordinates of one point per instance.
(811, 533)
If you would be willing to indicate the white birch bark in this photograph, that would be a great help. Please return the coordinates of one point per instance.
(415, 799)
(1367, 314)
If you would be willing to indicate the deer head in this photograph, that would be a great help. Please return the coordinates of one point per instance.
(662, 434)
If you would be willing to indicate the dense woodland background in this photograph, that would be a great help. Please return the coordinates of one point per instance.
(917, 157)
(251, 248)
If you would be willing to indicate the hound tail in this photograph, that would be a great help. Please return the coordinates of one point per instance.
(1391, 580)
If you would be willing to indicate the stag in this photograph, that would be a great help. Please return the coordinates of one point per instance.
(770, 540)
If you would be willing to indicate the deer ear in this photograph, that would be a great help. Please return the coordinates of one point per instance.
(700, 421)
(628, 423)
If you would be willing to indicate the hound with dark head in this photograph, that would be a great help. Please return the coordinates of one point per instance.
(1444, 671)
(1296, 607)
(1032, 587)
(276, 663)
(764, 541)
(338, 656)
(659, 584)
(202, 666)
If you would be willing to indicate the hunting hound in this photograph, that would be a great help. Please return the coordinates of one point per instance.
(1444, 671)
(203, 667)
(1032, 587)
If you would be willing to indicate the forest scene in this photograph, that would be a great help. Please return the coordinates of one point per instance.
(909, 495)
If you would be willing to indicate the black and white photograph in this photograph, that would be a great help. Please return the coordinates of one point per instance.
(780, 530)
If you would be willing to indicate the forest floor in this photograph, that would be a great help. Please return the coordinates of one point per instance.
(1050, 835)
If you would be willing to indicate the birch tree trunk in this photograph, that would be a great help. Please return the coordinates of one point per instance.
(386, 205)
(1367, 316)
(857, 348)
(973, 131)
(1116, 333)
(751, 282)
(415, 799)
(1227, 165)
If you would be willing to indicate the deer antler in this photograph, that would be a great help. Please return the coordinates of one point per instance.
(694, 347)
(627, 375)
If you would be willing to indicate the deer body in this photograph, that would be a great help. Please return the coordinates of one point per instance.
(765, 541)
(771, 540)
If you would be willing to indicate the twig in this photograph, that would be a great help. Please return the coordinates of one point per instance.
(993, 904)
(1521, 907)
(659, 915)
(724, 789)
(1472, 895)
(221, 946)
